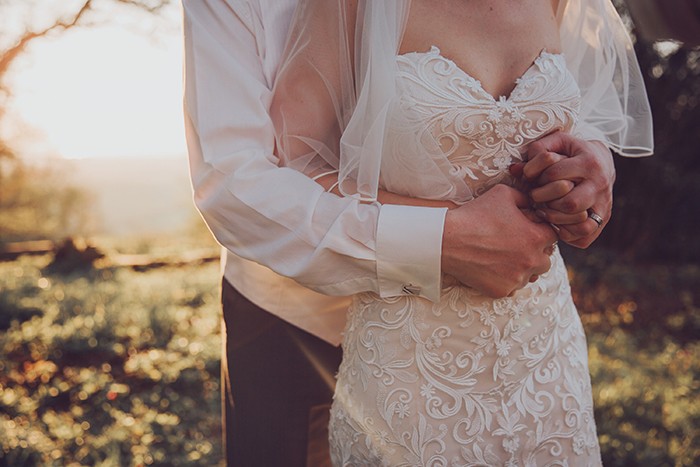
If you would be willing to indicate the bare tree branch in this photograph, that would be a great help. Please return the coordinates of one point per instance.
(151, 7)
(8, 56)
(78, 17)
(13, 52)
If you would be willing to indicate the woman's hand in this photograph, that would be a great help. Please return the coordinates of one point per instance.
(572, 180)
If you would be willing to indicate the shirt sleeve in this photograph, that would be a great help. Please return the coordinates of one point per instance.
(273, 215)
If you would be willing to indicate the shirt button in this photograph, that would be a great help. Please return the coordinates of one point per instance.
(410, 289)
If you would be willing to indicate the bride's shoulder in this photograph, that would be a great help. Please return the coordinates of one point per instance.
(329, 11)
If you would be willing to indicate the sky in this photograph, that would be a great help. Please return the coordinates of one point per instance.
(103, 91)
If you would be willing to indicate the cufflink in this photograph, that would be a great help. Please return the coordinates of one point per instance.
(410, 289)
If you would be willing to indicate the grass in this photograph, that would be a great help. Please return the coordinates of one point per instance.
(109, 367)
(118, 367)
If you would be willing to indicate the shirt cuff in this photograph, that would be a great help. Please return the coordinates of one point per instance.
(409, 248)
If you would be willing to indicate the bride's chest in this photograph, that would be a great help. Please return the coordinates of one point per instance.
(480, 135)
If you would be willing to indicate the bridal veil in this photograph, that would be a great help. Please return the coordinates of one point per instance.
(337, 83)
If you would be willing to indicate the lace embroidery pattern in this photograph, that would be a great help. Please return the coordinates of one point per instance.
(454, 118)
(468, 381)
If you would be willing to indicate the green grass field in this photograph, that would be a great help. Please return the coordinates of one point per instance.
(113, 366)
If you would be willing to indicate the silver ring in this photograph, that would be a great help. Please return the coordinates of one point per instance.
(592, 215)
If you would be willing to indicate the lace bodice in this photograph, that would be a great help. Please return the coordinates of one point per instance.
(470, 136)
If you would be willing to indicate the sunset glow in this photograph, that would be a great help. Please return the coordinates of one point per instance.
(101, 91)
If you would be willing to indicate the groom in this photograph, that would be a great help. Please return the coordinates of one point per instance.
(294, 252)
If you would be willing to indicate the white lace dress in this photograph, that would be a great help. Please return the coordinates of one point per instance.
(468, 381)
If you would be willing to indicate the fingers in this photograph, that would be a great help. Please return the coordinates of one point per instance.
(560, 218)
(539, 163)
(558, 142)
(580, 236)
(516, 169)
(572, 177)
(595, 217)
(549, 251)
(551, 191)
(574, 169)
(535, 272)
(541, 261)
(577, 200)
(521, 200)
(548, 235)
(583, 234)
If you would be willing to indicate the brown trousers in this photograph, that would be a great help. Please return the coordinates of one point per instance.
(278, 384)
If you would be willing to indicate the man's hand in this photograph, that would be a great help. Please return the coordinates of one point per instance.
(573, 177)
(491, 245)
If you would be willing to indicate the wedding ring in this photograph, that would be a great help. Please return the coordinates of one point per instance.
(592, 215)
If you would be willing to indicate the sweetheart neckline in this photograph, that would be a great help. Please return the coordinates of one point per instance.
(435, 50)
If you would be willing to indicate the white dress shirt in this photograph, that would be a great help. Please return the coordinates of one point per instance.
(290, 247)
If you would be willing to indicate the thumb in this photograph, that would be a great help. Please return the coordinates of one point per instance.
(521, 200)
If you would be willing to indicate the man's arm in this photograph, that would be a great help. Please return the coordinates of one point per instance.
(282, 219)
(277, 216)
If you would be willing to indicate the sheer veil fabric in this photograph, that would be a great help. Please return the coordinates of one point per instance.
(337, 84)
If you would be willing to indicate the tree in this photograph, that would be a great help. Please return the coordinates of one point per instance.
(36, 202)
(83, 13)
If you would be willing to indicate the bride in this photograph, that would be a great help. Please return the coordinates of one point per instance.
(430, 102)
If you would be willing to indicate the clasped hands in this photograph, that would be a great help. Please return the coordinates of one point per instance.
(567, 179)
(502, 240)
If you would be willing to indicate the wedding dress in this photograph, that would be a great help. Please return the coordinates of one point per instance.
(468, 381)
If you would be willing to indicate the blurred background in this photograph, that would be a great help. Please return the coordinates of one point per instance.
(109, 314)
